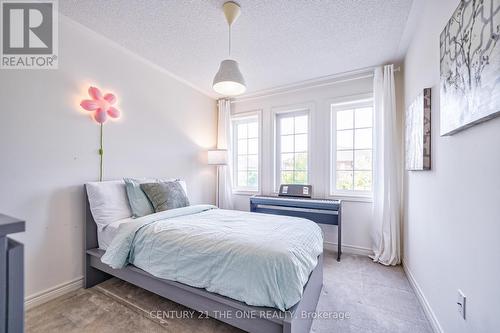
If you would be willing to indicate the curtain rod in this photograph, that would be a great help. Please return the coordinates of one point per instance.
(310, 84)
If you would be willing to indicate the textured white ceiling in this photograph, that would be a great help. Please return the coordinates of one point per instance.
(276, 42)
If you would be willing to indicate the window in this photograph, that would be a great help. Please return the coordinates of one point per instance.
(352, 125)
(292, 148)
(246, 153)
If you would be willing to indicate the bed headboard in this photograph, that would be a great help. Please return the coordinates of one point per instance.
(90, 226)
(92, 276)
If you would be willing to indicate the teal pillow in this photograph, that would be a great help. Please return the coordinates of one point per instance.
(137, 199)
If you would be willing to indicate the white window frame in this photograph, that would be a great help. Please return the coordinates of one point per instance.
(339, 105)
(283, 112)
(242, 118)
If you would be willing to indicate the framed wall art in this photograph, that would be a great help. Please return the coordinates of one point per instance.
(470, 66)
(418, 132)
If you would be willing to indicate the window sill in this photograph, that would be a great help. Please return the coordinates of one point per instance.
(245, 192)
(351, 198)
(343, 197)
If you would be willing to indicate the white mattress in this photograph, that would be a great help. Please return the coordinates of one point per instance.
(109, 232)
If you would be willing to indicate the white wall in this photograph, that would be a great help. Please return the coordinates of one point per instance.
(356, 226)
(48, 147)
(452, 218)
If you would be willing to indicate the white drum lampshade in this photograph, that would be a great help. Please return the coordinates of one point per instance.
(217, 157)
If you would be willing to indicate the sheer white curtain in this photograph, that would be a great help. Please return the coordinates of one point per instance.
(224, 142)
(386, 191)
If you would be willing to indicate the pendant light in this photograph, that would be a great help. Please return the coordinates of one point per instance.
(229, 81)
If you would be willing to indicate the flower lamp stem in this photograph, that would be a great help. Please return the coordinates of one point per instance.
(101, 153)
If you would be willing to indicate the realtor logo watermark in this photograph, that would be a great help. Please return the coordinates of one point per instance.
(29, 37)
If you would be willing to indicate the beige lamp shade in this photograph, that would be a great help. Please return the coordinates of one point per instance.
(217, 157)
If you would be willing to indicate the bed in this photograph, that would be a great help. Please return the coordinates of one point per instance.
(251, 318)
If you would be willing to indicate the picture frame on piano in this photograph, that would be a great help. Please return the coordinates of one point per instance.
(295, 190)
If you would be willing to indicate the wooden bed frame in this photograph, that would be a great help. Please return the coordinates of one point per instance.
(235, 313)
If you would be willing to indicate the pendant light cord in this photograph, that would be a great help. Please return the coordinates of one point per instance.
(229, 40)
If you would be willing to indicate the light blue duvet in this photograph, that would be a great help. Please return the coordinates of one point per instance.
(259, 259)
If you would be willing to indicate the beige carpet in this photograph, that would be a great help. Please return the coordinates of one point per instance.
(374, 297)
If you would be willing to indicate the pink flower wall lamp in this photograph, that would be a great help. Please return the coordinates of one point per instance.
(102, 108)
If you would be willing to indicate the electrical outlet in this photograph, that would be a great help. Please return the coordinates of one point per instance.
(461, 303)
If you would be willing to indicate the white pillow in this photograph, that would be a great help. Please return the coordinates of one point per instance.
(108, 202)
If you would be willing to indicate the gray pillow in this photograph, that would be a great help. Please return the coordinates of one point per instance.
(165, 195)
(137, 199)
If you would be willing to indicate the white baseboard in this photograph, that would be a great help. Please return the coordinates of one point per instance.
(51, 293)
(436, 327)
(352, 249)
